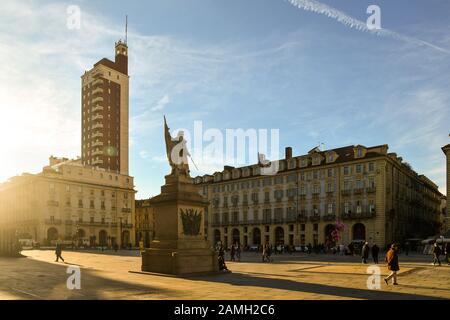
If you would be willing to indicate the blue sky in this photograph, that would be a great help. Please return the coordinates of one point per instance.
(231, 64)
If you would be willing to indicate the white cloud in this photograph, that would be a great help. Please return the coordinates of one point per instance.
(144, 154)
(341, 17)
(162, 103)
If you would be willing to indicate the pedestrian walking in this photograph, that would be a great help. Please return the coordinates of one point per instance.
(365, 252)
(351, 248)
(447, 253)
(392, 262)
(375, 251)
(238, 251)
(58, 252)
(265, 255)
(309, 247)
(436, 254)
(233, 252)
(221, 257)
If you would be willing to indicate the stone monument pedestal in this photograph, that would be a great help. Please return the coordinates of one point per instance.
(179, 246)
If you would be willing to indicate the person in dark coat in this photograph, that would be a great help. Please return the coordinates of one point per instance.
(375, 251)
(406, 247)
(233, 252)
(365, 252)
(436, 254)
(447, 252)
(58, 252)
(351, 248)
(392, 262)
(221, 258)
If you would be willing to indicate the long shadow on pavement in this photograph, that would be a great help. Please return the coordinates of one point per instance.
(33, 279)
(240, 279)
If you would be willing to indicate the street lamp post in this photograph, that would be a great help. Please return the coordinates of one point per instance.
(121, 238)
(296, 210)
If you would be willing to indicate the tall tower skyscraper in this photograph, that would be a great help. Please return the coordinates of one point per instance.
(105, 109)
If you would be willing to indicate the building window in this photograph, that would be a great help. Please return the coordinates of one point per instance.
(346, 171)
(315, 210)
(330, 208)
(278, 194)
(359, 153)
(303, 227)
(358, 168)
(347, 185)
(330, 187)
(330, 173)
(315, 174)
(358, 207)
(315, 227)
(347, 207)
(371, 206)
(371, 166)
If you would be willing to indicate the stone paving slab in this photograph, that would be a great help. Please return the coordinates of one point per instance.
(107, 276)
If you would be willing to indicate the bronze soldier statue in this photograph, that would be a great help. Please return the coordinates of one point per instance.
(177, 152)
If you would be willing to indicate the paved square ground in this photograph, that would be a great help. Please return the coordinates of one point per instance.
(113, 276)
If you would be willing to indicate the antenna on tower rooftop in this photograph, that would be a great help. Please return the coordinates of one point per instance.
(126, 29)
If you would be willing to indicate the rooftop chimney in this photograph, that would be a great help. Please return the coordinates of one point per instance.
(288, 153)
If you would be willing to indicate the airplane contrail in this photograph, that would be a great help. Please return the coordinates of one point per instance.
(345, 19)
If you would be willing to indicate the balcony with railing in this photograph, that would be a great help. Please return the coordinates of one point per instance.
(358, 190)
(97, 82)
(97, 90)
(53, 222)
(97, 117)
(329, 217)
(126, 210)
(97, 162)
(346, 192)
(97, 144)
(314, 218)
(97, 100)
(97, 152)
(97, 108)
(52, 203)
(371, 189)
(359, 215)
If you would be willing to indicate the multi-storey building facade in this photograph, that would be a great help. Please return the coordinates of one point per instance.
(374, 193)
(89, 200)
(69, 202)
(144, 222)
(105, 99)
(446, 222)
